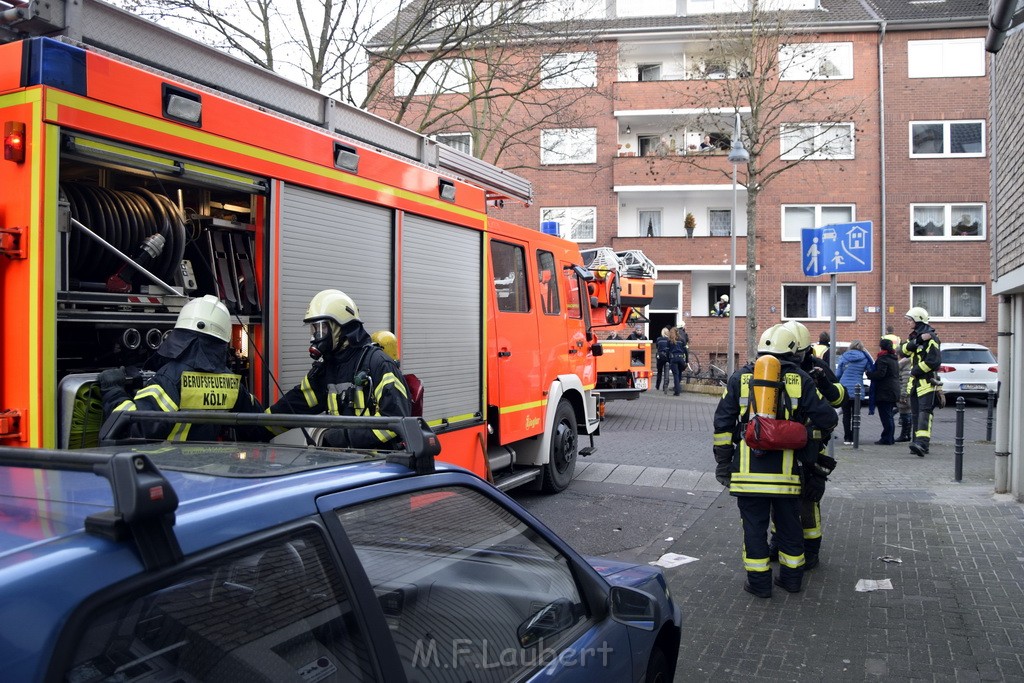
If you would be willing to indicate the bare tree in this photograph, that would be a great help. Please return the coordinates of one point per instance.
(477, 60)
(769, 69)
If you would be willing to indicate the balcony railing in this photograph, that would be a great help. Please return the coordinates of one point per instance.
(709, 169)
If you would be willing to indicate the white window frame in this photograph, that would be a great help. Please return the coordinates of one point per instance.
(659, 229)
(803, 61)
(570, 218)
(950, 58)
(946, 131)
(818, 209)
(822, 296)
(460, 141)
(732, 220)
(444, 76)
(944, 315)
(950, 211)
(568, 146)
(714, 6)
(818, 135)
(647, 8)
(569, 70)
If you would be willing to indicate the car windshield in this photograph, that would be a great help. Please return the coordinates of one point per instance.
(979, 356)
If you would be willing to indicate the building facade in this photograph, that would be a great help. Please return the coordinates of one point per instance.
(895, 134)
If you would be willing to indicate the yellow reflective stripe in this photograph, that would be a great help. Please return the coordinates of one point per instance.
(332, 403)
(842, 395)
(180, 432)
(768, 476)
(308, 393)
(383, 436)
(723, 438)
(924, 388)
(792, 561)
(274, 430)
(157, 393)
(755, 564)
(389, 379)
(762, 489)
(814, 531)
(924, 366)
(125, 405)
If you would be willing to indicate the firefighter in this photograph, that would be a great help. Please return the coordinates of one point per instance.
(832, 391)
(192, 373)
(922, 347)
(351, 375)
(721, 308)
(767, 483)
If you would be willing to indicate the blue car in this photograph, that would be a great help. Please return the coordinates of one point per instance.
(263, 562)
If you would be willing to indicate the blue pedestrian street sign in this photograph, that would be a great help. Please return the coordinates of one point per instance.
(836, 248)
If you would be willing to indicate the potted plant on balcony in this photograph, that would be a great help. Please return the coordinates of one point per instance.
(690, 224)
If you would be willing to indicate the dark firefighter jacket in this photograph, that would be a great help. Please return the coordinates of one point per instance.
(192, 373)
(331, 387)
(771, 473)
(925, 356)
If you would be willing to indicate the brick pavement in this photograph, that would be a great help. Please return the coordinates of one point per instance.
(956, 610)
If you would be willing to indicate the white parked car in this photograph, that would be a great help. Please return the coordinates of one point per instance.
(968, 370)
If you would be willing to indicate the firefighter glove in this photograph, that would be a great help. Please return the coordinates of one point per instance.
(112, 378)
(825, 464)
(723, 473)
(723, 454)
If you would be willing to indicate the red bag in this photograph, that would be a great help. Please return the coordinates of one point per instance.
(771, 434)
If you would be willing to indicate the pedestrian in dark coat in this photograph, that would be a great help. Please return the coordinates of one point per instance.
(885, 389)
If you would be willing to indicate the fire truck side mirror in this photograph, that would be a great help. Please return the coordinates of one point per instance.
(597, 349)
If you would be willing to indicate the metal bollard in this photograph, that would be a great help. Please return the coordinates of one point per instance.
(855, 422)
(958, 448)
(991, 415)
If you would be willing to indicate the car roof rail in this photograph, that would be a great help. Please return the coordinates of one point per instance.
(419, 442)
(144, 501)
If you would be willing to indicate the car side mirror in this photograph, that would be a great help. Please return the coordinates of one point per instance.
(634, 608)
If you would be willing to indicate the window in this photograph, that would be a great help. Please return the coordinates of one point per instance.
(946, 58)
(648, 72)
(547, 287)
(650, 222)
(443, 76)
(929, 139)
(816, 61)
(569, 70)
(573, 309)
(797, 217)
(568, 146)
(720, 222)
(813, 302)
(267, 611)
(950, 302)
(463, 572)
(944, 221)
(647, 8)
(460, 141)
(715, 292)
(576, 223)
(508, 264)
(666, 297)
(817, 141)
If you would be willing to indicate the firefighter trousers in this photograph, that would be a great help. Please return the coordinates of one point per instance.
(922, 403)
(757, 512)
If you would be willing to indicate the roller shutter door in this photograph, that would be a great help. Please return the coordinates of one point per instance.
(329, 242)
(442, 311)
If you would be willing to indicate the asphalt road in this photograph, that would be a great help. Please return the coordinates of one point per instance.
(652, 475)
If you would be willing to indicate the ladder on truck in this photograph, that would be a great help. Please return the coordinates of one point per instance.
(98, 26)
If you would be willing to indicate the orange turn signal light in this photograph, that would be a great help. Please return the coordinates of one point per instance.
(14, 141)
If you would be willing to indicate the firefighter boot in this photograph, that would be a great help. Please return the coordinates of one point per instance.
(905, 427)
(919, 446)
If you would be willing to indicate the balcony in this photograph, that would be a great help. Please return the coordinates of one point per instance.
(699, 168)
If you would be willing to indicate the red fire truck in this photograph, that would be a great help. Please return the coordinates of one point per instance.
(126, 142)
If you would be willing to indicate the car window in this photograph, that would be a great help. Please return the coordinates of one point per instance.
(469, 590)
(273, 612)
(980, 356)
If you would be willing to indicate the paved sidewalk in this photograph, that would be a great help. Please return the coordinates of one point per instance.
(956, 608)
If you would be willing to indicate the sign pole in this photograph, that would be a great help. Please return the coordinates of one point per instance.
(833, 293)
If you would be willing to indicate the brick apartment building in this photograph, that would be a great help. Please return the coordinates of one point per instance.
(913, 161)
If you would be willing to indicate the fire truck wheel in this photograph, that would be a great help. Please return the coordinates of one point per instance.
(564, 448)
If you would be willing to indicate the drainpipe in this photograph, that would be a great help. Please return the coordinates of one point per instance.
(1002, 445)
(881, 150)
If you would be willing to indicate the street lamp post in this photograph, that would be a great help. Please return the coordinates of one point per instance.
(737, 155)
